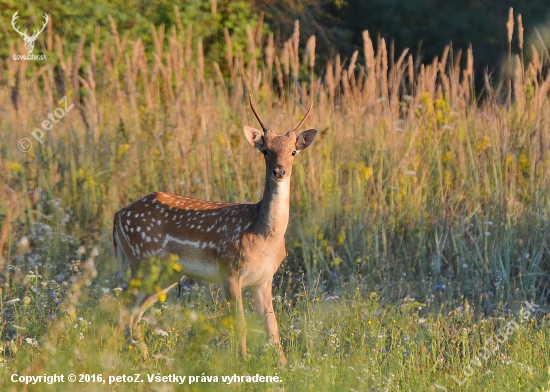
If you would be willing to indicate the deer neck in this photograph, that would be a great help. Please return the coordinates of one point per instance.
(274, 208)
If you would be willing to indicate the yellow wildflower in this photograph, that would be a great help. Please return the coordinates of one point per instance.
(524, 162)
(122, 148)
(90, 181)
(483, 143)
(135, 282)
(15, 167)
(509, 159)
(162, 297)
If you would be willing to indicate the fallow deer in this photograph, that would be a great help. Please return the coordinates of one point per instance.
(234, 244)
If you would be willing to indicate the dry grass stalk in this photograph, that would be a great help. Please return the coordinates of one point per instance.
(518, 84)
(200, 62)
(294, 46)
(219, 76)
(114, 32)
(510, 31)
(258, 30)
(397, 72)
(442, 73)
(337, 72)
(351, 76)
(329, 80)
(520, 33)
(488, 87)
(178, 19)
(410, 73)
(287, 49)
(77, 60)
(431, 77)
(49, 36)
(535, 60)
(345, 84)
(189, 49)
(158, 40)
(468, 79)
(510, 25)
(270, 54)
(280, 78)
(252, 64)
(130, 88)
(455, 77)
(383, 68)
(368, 50)
(175, 56)
(10, 201)
(310, 51)
(213, 7)
(229, 52)
(444, 58)
(91, 104)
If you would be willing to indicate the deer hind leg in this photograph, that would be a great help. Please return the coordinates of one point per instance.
(142, 306)
(233, 294)
(127, 315)
(132, 329)
(263, 301)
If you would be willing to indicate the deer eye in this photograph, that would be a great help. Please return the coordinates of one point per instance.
(264, 152)
(294, 153)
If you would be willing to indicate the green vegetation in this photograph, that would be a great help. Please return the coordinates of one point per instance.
(419, 222)
(92, 21)
(428, 26)
(354, 342)
(425, 27)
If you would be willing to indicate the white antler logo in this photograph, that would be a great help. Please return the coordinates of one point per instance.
(29, 41)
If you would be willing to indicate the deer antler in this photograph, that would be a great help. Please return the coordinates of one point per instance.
(304, 119)
(43, 26)
(24, 35)
(13, 19)
(264, 128)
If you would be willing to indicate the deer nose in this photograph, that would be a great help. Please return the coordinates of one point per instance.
(279, 171)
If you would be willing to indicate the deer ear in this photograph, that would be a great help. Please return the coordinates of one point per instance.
(254, 136)
(305, 139)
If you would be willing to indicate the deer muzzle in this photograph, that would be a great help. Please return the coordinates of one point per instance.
(278, 172)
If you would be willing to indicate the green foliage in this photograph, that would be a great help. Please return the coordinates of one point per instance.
(73, 20)
(354, 342)
(428, 26)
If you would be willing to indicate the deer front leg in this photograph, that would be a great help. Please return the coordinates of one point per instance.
(263, 301)
(233, 294)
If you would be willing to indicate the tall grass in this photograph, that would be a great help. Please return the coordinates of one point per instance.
(409, 172)
(416, 178)
(419, 190)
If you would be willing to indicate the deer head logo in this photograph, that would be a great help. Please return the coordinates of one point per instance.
(29, 40)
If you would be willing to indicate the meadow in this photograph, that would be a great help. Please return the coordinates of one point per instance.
(418, 240)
